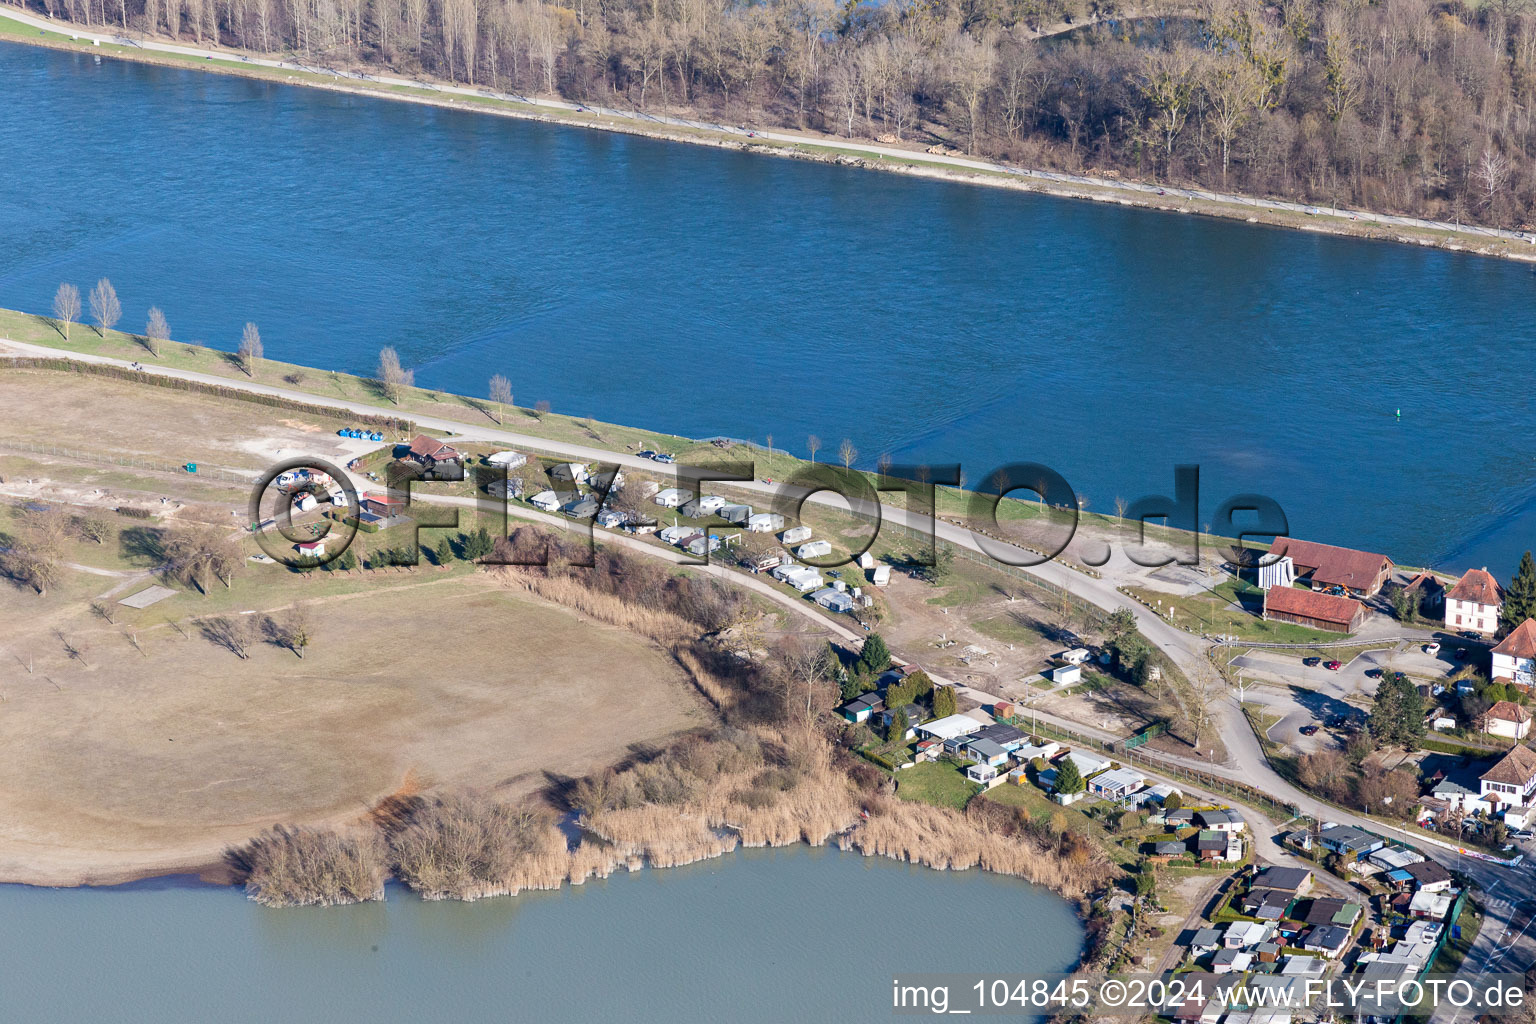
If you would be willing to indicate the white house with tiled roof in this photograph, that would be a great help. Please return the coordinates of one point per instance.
(1514, 660)
(1474, 602)
(1507, 719)
(1511, 783)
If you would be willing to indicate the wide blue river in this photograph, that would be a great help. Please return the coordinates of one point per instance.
(706, 292)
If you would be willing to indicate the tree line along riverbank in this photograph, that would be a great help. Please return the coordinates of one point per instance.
(1088, 170)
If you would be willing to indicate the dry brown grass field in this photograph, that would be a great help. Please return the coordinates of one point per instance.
(120, 763)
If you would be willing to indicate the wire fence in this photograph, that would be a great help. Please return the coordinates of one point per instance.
(127, 461)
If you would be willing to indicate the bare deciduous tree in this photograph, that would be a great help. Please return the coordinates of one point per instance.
(156, 331)
(250, 351)
(66, 307)
(234, 633)
(293, 628)
(105, 309)
(501, 394)
(846, 453)
(814, 444)
(393, 378)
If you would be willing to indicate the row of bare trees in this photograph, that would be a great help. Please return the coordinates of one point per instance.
(106, 310)
(1416, 106)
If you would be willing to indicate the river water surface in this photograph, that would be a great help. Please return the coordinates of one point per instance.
(705, 292)
(795, 934)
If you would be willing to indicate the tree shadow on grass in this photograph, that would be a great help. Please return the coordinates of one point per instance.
(142, 545)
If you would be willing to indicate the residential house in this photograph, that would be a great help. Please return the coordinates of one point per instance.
(311, 548)
(1221, 820)
(1429, 876)
(1206, 940)
(1030, 751)
(609, 481)
(1181, 818)
(1266, 904)
(1349, 842)
(839, 601)
(1431, 906)
(1514, 659)
(981, 772)
(672, 497)
(950, 727)
(573, 473)
(510, 460)
(429, 452)
(1242, 934)
(1427, 593)
(984, 751)
(545, 501)
(1331, 910)
(1211, 846)
(383, 505)
(1167, 849)
(1389, 858)
(765, 522)
(1359, 573)
(1004, 735)
(1328, 939)
(1088, 764)
(795, 535)
(1117, 783)
(1512, 781)
(1313, 610)
(1291, 880)
(813, 549)
(1474, 603)
(1506, 719)
(1161, 792)
(582, 506)
(512, 487)
(861, 707)
(1231, 961)
(910, 712)
(1298, 966)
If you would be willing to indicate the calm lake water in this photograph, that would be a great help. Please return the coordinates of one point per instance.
(706, 293)
(765, 935)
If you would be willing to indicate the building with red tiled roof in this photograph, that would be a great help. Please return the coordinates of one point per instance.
(1513, 780)
(1360, 573)
(1313, 610)
(1514, 660)
(1507, 719)
(429, 451)
(1474, 602)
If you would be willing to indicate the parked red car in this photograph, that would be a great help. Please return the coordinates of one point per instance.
(1333, 666)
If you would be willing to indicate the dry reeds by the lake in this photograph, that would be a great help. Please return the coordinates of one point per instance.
(464, 846)
(299, 867)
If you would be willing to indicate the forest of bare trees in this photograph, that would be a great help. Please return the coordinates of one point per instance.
(1409, 106)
